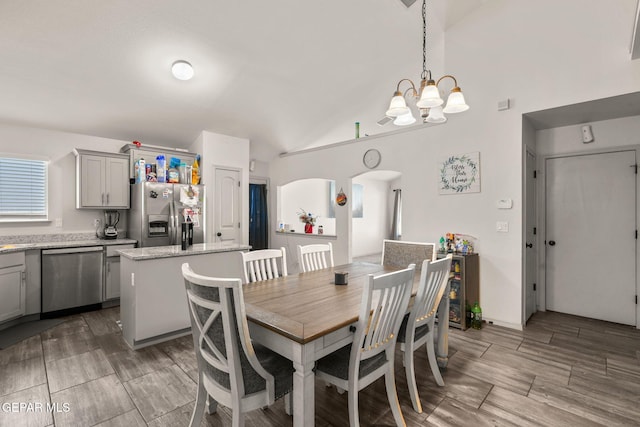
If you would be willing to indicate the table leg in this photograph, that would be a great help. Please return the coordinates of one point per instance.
(442, 348)
(303, 385)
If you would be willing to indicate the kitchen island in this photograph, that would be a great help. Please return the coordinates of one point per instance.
(153, 301)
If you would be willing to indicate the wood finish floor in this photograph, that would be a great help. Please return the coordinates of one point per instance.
(561, 371)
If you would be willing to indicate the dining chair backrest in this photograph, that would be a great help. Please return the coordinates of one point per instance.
(420, 323)
(399, 253)
(263, 264)
(433, 282)
(384, 303)
(315, 257)
(232, 372)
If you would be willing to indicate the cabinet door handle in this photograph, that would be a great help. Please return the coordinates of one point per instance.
(552, 242)
(529, 245)
(107, 198)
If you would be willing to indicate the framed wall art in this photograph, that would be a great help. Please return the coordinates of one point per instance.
(459, 174)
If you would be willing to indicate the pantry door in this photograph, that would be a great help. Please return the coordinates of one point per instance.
(591, 236)
(227, 206)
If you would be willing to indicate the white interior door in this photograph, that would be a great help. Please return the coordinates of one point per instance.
(227, 206)
(590, 236)
(531, 251)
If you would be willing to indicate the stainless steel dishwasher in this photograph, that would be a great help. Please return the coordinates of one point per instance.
(72, 277)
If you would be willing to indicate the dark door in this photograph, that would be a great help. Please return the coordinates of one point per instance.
(258, 220)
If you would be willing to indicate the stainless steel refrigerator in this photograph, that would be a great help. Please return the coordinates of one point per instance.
(158, 210)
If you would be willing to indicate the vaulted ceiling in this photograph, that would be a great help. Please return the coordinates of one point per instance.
(285, 74)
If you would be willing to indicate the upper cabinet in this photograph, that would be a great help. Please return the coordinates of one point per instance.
(102, 180)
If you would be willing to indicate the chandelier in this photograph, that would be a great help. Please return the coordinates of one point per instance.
(429, 101)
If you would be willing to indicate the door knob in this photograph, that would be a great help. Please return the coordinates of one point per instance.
(552, 242)
(529, 245)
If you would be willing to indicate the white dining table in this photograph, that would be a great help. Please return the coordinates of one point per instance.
(306, 316)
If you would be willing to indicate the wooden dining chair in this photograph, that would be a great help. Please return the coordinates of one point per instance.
(399, 253)
(384, 302)
(418, 326)
(263, 264)
(231, 370)
(315, 257)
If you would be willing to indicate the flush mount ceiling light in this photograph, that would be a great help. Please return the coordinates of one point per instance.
(428, 98)
(182, 70)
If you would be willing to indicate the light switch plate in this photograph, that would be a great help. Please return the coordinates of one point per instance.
(504, 204)
(505, 104)
(502, 226)
(58, 222)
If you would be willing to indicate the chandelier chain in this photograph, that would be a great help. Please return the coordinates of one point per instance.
(424, 39)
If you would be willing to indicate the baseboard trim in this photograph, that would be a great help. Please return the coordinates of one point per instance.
(509, 325)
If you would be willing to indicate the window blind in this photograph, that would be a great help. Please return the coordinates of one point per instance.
(23, 188)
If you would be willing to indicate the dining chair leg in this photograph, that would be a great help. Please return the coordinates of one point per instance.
(409, 368)
(392, 395)
(237, 418)
(211, 405)
(288, 403)
(198, 409)
(354, 418)
(433, 362)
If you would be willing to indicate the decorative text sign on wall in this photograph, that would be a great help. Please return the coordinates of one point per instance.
(459, 174)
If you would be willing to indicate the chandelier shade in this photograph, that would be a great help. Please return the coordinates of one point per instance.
(435, 115)
(397, 106)
(430, 96)
(405, 119)
(456, 102)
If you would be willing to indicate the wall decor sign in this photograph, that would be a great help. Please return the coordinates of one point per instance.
(460, 174)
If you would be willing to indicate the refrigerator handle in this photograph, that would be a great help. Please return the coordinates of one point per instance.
(172, 226)
(176, 222)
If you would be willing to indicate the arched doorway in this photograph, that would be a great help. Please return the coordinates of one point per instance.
(372, 212)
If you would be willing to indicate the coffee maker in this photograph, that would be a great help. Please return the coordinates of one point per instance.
(111, 219)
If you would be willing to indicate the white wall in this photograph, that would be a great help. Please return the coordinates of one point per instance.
(229, 152)
(541, 55)
(373, 227)
(57, 147)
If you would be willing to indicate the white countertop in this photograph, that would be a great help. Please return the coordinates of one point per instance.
(19, 247)
(141, 254)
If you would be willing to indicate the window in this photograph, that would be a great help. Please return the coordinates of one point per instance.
(23, 189)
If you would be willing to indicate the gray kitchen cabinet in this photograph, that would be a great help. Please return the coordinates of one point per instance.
(102, 180)
(12, 286)
(112, 271)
